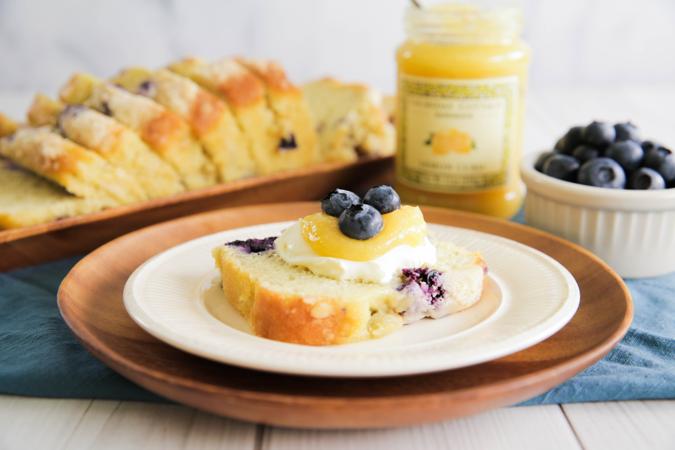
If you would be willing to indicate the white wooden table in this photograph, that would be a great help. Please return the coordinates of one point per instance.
(35, 423)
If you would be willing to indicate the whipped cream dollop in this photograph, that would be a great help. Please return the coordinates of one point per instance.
(293, 249)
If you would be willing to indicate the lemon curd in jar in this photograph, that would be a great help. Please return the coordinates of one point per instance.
(461, 86)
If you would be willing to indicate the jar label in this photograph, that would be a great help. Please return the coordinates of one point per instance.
(456, 135)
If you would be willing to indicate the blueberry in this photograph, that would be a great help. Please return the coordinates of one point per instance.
(254, 245)
(427, 281)
(602, 172)
(627, 153)
(585, 153)
(288, 142)
(563, 167)
(337, 201)
(667, 169)
(646, 178)
(598, 134)
(571, 140)
(383, 198)
(654, 154)
(648, 145)
(360, 222)
(105, 108)
(539, 163)
(627, 132)
(69, 112)
(147, 88)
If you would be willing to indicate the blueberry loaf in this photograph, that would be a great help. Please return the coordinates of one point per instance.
(162, 130)
(211, 120)
(350, 120)
(147, 134)
(272, 136)
(117, 144)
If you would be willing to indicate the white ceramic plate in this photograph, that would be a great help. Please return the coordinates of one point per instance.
(175, 297)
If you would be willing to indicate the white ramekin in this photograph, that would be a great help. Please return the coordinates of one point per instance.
(633, 231)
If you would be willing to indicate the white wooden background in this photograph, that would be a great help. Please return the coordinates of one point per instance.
(575, 42)
(33, 423)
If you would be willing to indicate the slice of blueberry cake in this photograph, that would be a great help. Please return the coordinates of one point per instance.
(317, 285)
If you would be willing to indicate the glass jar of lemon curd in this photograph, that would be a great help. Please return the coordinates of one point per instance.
(462, 76)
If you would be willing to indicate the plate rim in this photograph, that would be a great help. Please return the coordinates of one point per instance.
(542, 330)
(502, 392)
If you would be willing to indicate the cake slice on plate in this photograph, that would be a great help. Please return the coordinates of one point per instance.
(210, 117)
(360, 269)
(164, 131)
(110, 139)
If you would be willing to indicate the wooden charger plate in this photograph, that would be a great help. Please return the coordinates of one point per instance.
(90, 300)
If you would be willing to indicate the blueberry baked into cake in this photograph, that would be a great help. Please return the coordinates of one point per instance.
(359, 269)
(145, 134)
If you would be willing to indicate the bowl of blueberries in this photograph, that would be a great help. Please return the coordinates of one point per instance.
(604, 187)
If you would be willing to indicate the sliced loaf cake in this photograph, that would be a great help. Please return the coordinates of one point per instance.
(164, 131)
(113, 141)
(210, 118)
(273, 148)
(290, 108)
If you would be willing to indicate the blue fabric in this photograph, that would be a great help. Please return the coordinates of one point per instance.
(39, 356)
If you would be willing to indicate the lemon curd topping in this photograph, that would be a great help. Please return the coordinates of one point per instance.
(404, 226)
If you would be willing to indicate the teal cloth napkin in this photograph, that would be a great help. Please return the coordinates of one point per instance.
(39, 356)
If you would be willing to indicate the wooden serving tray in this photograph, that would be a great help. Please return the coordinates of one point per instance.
(90, 301)
(76, 235)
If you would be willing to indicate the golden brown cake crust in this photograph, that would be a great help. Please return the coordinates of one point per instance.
(272, 315)
(206, 112)
(242, 90)
(159, 131)
(271, 73)
(46, 153)
(7, 125)
(291, 319)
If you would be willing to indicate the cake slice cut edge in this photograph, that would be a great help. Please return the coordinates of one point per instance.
(291, 304)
